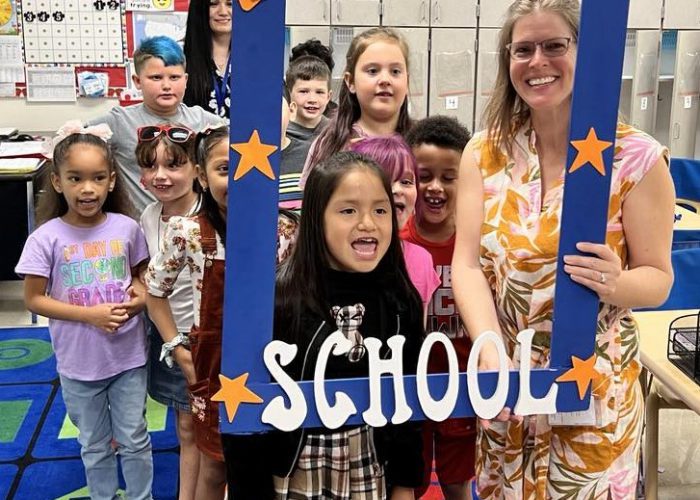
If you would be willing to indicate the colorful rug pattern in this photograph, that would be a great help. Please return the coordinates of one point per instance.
(39, 452)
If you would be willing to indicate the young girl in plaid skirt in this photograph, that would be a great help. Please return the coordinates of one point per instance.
(345, 274)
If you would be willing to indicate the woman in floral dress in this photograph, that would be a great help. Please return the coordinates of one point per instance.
(508, 218)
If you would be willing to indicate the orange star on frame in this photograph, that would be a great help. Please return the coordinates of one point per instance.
(590, 150)
(233, 392)
(248, 5)
(254, 154)
(582, 373)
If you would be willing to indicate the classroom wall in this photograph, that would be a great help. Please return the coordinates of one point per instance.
(45, 117)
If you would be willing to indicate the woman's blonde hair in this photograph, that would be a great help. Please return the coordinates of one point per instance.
(506, 112)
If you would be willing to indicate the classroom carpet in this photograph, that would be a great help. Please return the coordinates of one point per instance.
(39, 452)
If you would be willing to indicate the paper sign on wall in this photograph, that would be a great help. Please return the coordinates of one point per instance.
(150, 5)
(51, 84)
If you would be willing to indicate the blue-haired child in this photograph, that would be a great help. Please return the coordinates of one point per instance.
(160, 76)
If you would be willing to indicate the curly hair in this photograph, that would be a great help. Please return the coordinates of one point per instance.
(441, 131)
(314, 48)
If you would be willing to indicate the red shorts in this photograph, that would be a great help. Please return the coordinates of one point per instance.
(453, 445)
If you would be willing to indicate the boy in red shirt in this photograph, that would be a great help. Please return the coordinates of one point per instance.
(437, 143)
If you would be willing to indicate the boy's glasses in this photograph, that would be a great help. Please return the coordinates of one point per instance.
(524, 51)
(176, 133)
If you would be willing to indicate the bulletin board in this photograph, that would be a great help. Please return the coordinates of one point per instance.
(96, 38)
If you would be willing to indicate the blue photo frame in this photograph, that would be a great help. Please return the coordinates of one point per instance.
(257, 51)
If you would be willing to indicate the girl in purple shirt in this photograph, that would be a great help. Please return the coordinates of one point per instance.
(81, 269)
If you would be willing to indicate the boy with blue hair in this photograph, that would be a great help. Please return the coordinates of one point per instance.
(160, 76)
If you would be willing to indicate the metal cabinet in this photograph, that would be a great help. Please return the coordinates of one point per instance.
(341, 37)
(405, 12)
(355, 12)
(452, 73)
(308, 12)
(645, 14)
(685, 101)
(645, 81)
(417, 39)
(453, 13)
(682, 14)
(486, 71)
(492, 13)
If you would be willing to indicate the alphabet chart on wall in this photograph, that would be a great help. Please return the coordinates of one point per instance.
(73, 31)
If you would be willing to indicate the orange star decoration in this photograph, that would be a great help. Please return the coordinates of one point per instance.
(590, 150)
(582, 373)
(248, 5)
(233, 392)
(254, 154)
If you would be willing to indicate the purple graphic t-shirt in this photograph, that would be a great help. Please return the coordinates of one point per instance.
(86, 266)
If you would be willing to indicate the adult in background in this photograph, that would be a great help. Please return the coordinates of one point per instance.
(207, 51)
(509, 202)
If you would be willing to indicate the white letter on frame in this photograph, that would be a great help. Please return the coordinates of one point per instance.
(332, 417)
(377, 366)
(441, 409)
(276, 413)
(488, 408)
(526, 404)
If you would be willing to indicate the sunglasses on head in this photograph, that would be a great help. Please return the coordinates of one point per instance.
(176, 133)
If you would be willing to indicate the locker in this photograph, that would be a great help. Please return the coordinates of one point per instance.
(453, 13)
(405, 12)
(645, 81)
(686, 94)
(486, 71)
(682, 14)
(308, 12)
(645, 14)
(417, 39)
(452, 74)
(340, 42)
(492, 13)
(355, 12)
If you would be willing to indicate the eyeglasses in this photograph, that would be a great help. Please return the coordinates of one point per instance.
(524, 51)
(176, 133)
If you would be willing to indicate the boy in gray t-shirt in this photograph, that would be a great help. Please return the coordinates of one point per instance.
(161, 77)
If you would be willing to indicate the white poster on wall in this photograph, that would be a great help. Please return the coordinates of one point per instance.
(173, 25)
(51, 84)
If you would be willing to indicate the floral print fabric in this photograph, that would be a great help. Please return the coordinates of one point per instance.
(519, 242)
(180, 246)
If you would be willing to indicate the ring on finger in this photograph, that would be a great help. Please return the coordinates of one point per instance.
(603, 279)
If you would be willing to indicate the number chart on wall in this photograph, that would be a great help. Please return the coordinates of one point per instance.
(73, 31)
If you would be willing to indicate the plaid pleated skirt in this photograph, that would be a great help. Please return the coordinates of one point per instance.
(335, 466)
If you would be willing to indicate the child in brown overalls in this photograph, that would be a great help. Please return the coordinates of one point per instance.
(198, 242)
